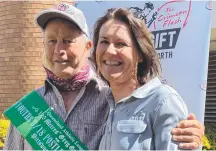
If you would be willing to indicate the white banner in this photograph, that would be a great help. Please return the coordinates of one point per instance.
(181, 32)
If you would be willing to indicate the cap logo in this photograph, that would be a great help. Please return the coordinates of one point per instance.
(64, 8)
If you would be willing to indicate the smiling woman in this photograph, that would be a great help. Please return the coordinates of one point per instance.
(114, 53)
(119, 39)
(142, 109)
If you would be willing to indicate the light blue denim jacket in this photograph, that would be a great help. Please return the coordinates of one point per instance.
(143, 121)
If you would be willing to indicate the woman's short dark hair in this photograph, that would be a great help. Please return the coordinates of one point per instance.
(150, 65)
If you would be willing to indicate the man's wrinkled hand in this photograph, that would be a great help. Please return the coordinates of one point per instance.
(189, 132)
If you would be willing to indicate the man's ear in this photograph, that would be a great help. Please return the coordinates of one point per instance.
(44, 39)
(89, 45)
(43, 32)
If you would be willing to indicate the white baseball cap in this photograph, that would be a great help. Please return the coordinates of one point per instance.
(65, 11)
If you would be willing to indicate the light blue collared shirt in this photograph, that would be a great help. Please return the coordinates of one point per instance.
(143, 121)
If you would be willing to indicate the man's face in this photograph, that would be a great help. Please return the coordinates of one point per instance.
(66, 48)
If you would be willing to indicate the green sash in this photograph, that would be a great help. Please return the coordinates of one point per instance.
(40, 126)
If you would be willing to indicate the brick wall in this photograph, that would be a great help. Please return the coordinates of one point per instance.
(20, 49)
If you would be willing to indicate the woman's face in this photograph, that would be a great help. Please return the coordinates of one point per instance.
(116, 54)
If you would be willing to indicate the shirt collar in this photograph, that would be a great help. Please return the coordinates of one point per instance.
(139, 93)
(144, 90)
(110, 100)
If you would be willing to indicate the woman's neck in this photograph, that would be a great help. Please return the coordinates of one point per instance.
(122, 90)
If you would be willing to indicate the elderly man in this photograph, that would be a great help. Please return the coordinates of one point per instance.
(71, 87)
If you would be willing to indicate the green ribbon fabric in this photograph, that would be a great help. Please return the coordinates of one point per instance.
(40, 126)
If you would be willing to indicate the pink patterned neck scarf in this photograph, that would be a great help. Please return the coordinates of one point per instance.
(72, 84)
